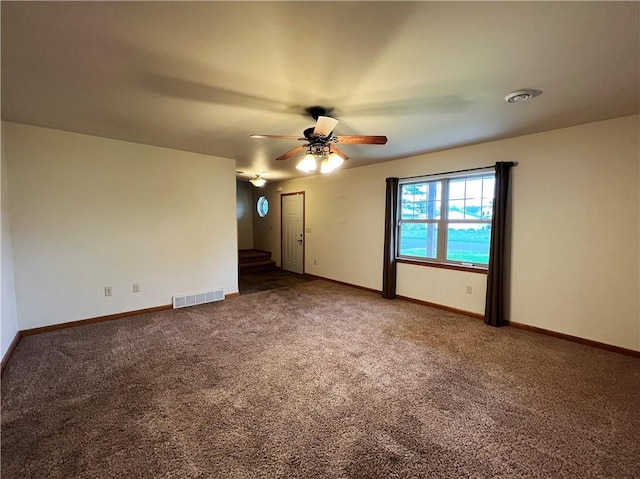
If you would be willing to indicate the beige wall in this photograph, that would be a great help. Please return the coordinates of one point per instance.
(244, 214)
(263, 226)
(8, 313)
(576, 224)
(89, 212)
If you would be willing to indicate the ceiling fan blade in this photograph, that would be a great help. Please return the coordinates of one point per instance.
(292, 152)
(325, 125)
(339, 152)
(276, 137)
(362, 140)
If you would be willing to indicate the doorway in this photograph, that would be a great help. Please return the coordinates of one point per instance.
(292, 233)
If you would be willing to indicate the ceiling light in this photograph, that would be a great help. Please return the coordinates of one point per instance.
(320, 154)
(330, 163)
(335, 160)
(308, 163)
(522, 95)
(258, 181)
(325, 167)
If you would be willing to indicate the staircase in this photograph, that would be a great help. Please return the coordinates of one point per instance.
(254, 260)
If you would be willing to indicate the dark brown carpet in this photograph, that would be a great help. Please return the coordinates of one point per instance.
(316, 381)
(251, 282)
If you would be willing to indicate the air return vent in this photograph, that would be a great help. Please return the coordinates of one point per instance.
(201, 297)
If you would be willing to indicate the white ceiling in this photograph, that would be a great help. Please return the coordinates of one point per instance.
(203, 76)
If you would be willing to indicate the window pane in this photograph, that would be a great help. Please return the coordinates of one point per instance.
(411, 198)
(474, 188)
(420, 201)
(406, 212)
(262, 206)
(487, 208)
(433, 210)
(433, 192)
(473, 208)
(488, 185)
(411, 192)
(456, 189)
(456, 210)
(419, 239)
(468, 242)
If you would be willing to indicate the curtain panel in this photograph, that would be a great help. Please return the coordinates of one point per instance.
(390, 222)
(494, 313)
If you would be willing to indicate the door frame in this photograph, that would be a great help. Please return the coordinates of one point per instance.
(304, 234)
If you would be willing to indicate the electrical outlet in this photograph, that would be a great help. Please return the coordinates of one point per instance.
(108, 291)
(136, 288)
(469, 290)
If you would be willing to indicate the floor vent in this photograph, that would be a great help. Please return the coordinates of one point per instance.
(201, 297)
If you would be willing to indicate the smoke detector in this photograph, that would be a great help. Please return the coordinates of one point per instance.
(522, 95)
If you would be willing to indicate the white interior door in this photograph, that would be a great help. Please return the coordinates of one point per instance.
(293, 232)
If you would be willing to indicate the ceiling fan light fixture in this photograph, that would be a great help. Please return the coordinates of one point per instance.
(308, 163)
(258, 181)
(335, 160)
(320, 140)
(325, 167)
(330, 163)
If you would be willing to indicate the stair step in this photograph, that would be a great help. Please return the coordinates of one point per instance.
(253, 254)
(257, 265)
(255, 260)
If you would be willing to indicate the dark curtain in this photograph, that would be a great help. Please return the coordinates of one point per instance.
(496, 274)
(390, 222)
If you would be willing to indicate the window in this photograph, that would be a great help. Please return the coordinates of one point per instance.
(446, 219)
(262, 206)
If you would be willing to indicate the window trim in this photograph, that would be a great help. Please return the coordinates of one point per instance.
(440, 261)
(482, 269)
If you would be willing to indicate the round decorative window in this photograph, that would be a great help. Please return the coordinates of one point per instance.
(262, 206)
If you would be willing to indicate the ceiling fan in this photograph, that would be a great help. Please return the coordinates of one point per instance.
(321, 144)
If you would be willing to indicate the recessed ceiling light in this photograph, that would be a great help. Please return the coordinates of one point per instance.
(522, 95)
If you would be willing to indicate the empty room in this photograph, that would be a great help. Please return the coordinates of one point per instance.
(320, 240)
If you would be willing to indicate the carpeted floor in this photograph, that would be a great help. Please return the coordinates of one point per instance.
(316, 381)
(251, 282)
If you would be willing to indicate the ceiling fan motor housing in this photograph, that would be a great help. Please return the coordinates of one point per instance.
(308, 133)
(315, 139)
(318, 111)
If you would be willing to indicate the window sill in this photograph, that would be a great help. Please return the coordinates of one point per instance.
(457, 267)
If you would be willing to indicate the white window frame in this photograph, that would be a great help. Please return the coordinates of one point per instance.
(444, 221)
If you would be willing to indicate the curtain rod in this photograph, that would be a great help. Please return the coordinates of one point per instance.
(513, 163)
